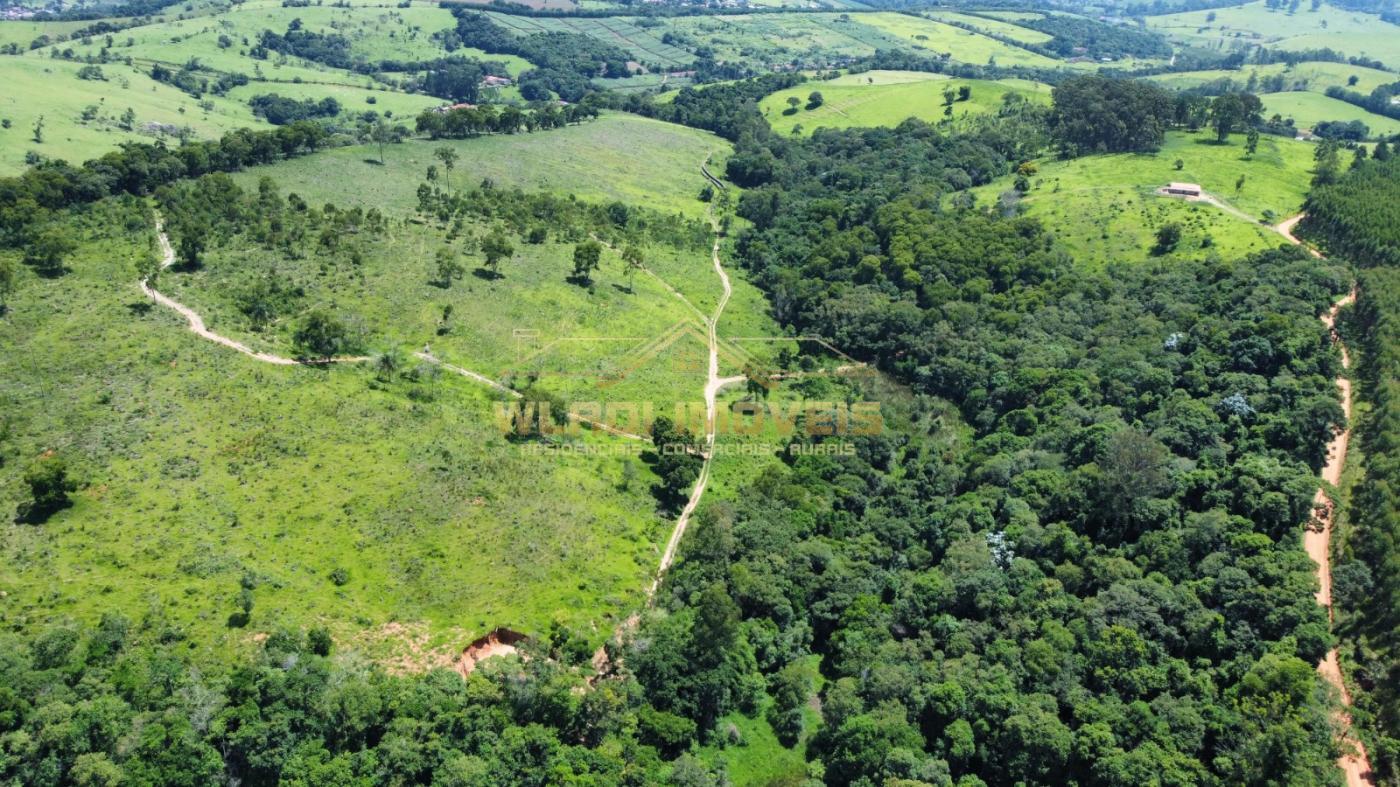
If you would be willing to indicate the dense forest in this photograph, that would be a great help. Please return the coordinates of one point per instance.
(1359, 217)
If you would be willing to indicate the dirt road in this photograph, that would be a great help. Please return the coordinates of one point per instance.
(1317, 541)
(713, 385)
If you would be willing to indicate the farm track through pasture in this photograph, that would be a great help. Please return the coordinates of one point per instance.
(1317, 540)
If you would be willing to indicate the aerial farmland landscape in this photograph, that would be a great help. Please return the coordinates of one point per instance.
(754, 393)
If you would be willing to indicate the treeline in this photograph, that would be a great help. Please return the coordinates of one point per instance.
(1095, 114)
(564, 62)
(537, 216)
(1380, 101)
(27, 200)
(196, 79)
(1359, 218)
(466, 122)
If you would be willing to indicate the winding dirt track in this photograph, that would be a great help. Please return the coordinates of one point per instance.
(713, 384)
(196, 322)
(1317, 540)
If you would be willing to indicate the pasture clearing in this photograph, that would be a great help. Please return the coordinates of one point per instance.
(340, 500)
(1105, 209)
(82, 119)
(1309, 109)
(1240, 28)
(616, 157)
(887, 99)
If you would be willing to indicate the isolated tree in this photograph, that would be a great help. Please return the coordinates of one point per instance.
(632, 259)
(1168, 236)
(191, 249)
(320, 335)
(1327, 157)
(586, 259)
(964, 92)
(387, 364)
(1251, 141)
(49, 486)
(815, 99)
(495, 247)
(792, 102)
(7, 282)
(448, 268)
(1239, 183)
(39, 130)
(381, 133)
(448, 157)
(1179, 165)
(47, 252)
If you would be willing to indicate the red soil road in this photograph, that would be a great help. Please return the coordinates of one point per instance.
(1317, 542)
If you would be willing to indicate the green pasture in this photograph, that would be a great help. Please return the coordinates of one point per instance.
(998, 26)
(1315, 77)
(885, 99)
(1308, 109)
(964, 46)
(36, 87)
(617, 157)
(353, 100)
(1105, 209)
(203, 470)
(1252, 24)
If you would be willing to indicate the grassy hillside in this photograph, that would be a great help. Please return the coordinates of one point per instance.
(885, 98)
(1315, 77)
(1253, 24)
(998, 26)
(1308, 109)
(37, 87)
(1104, 209)
(963, 45)
(203, 469)
(617, 157)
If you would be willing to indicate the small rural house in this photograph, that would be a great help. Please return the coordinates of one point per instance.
(1184, 189)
